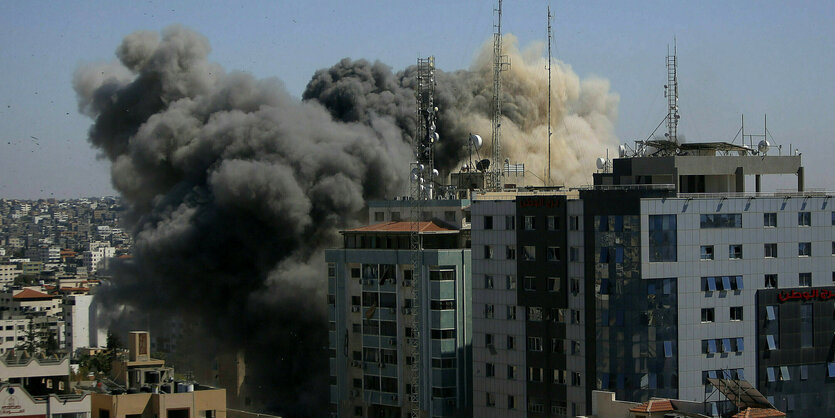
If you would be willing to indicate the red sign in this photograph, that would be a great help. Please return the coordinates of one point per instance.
(539, 202)
(822, 294)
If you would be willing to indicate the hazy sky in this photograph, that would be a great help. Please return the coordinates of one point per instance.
(745, 57)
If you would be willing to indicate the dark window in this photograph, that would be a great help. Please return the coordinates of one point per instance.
(574, 222)
(706, 252)
(770, 219)
(736, 313)
(488, 251)
(530, 283)
(804, 249)
(805, 279)
(804, 218)
(529, 253)
(395, 216)
(770, 250)
(553, 254)
(510, 222)
(488, 222)
(553, 284)
(707, 315)
(488, 282)
(770, 281)
(806, 325)
(662, 238)
(721, 220)
(530, 223)
(735, 251)
(379, 216)
(553, 223)
(510, 253)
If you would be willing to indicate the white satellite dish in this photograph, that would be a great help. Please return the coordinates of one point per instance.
(435, 137)
(601, 163)
(435, 172)
(763, 146)
(476, 141)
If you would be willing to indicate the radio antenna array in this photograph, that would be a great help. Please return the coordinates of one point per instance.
(500, 63)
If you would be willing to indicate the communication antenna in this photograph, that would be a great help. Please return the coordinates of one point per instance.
(671, 92)
(548, 178)
(422, 177)
(500, 63)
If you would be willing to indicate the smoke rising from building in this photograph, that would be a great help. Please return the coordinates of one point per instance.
(234, 187)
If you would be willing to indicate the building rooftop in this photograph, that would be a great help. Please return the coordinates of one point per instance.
(404, 226)
(654, 405)
(30, 294)
(759, 412)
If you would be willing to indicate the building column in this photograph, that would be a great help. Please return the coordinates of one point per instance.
(740, 180)
(800, 179)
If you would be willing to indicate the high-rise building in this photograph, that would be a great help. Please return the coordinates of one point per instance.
(663, 274)
(372, 308)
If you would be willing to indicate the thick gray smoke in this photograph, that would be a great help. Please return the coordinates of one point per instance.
(234, 188)
(583, 112)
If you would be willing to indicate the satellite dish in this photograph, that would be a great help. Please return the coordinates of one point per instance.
(763, 146)
(601, 163)
(414, 176)
(476, 141)
(434, 137)
(435, 172)
(482, 165)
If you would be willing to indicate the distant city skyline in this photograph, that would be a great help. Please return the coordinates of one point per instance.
(751, 58)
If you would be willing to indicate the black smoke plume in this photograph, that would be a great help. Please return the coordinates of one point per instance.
(234, 188)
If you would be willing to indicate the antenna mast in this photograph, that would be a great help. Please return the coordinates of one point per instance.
(671, 91)
(548, 178)
(500, 63)
(422, 178)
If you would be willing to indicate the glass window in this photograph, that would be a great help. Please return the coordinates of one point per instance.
(511, 282)
(511, 340)
(706, 252)
(553, 284)
(488, 252)
(604, 254)
(804, 249)
(510, 253)
(735, 251)
(668, 349)
(529, 253)
(488, 282)
(379, 216)
(805, 279)
(510, 222)
(806, 326)
(784, 373)
(395, 216)
(770, 281)
(530, 223)
(530, 283)
(711, 346)
(770, 220)
(740, 344)
(534, 344)
(726, 345)
(736, 313)
(771, 375)
(707, 315)
(490, 371)
(804, 372)
(553, 223)
(574, 222)
(574, 253)
(662, 238)
(771, 312)
(553, 254)
(770, 250)
(534, 313)
(804, 218)
(772, 342)
(721, 220)
(488, 311)
(488, 222)
(511, 312)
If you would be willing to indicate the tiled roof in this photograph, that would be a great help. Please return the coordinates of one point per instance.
(31, 294)
(401, 227)
(759, 412)
(654, 405)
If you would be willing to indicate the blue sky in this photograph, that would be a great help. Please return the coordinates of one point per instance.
(743, 57)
